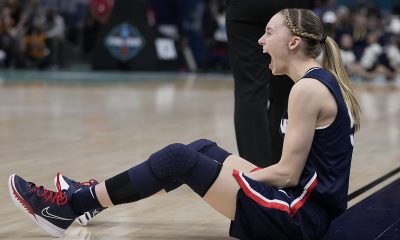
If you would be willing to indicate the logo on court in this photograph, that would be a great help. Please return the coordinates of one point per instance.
(124, 42)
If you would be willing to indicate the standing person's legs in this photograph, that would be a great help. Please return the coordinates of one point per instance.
(249, 67)
(279, 89)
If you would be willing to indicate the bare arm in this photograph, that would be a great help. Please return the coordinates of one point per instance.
(303, 109)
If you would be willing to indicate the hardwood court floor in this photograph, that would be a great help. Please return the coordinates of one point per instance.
(97, 131)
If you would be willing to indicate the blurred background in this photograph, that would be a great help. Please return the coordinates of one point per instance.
(92, 87)
(177, 35)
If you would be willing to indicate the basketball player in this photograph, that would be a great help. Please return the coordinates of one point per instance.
(296, 198)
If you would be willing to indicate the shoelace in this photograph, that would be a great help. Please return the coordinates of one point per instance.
(58, 197)
(91, 182)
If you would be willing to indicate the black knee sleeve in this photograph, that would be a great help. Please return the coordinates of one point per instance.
(120, 189)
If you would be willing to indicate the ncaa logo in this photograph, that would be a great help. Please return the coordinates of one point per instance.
(124, 42)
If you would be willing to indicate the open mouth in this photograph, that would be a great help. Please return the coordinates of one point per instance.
(270, 64)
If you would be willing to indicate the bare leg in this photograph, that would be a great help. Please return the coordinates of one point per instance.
(239, 163)
(222, 194)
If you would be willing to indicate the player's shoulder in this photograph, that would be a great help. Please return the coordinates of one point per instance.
(309, 88)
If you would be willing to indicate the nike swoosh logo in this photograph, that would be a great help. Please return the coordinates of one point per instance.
(280, 190)
(78, 190)
(91, 192)
(45, 213)
(95, 212)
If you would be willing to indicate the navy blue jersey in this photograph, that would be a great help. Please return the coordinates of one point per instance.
(304, 211)
(326, 173)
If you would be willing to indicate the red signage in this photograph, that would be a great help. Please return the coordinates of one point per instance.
(101, 9)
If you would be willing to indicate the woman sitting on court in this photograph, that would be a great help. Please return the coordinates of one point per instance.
(296, 198)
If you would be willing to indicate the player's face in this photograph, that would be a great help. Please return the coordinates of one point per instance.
(275, 42)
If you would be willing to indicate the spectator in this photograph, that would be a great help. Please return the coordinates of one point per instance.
(329, 19)
(392, 54)
(359, 33)
(75, 13)
(346, 51)
(187, 17)
(372, 57)
(55, 29)
(215, 37)
(6, 37)
(353, 68)
(11, 32)
(344, 23)
(35, 48)
(372, 52)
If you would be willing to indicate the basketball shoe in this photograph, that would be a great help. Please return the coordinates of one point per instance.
(50, 210)
(74, 186)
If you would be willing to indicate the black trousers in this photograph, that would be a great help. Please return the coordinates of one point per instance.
(260, 97)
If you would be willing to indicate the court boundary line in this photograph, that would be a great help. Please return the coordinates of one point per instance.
(372, 184)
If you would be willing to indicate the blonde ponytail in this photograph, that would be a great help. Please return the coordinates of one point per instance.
(332, 61)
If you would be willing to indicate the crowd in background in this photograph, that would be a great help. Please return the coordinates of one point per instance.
(368, 37)
(33, 32)
(53, 34)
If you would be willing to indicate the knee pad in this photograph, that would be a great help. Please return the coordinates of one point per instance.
(172, 162)
(210, 149)
(200, 144)
(203, 146)
(180, 163)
